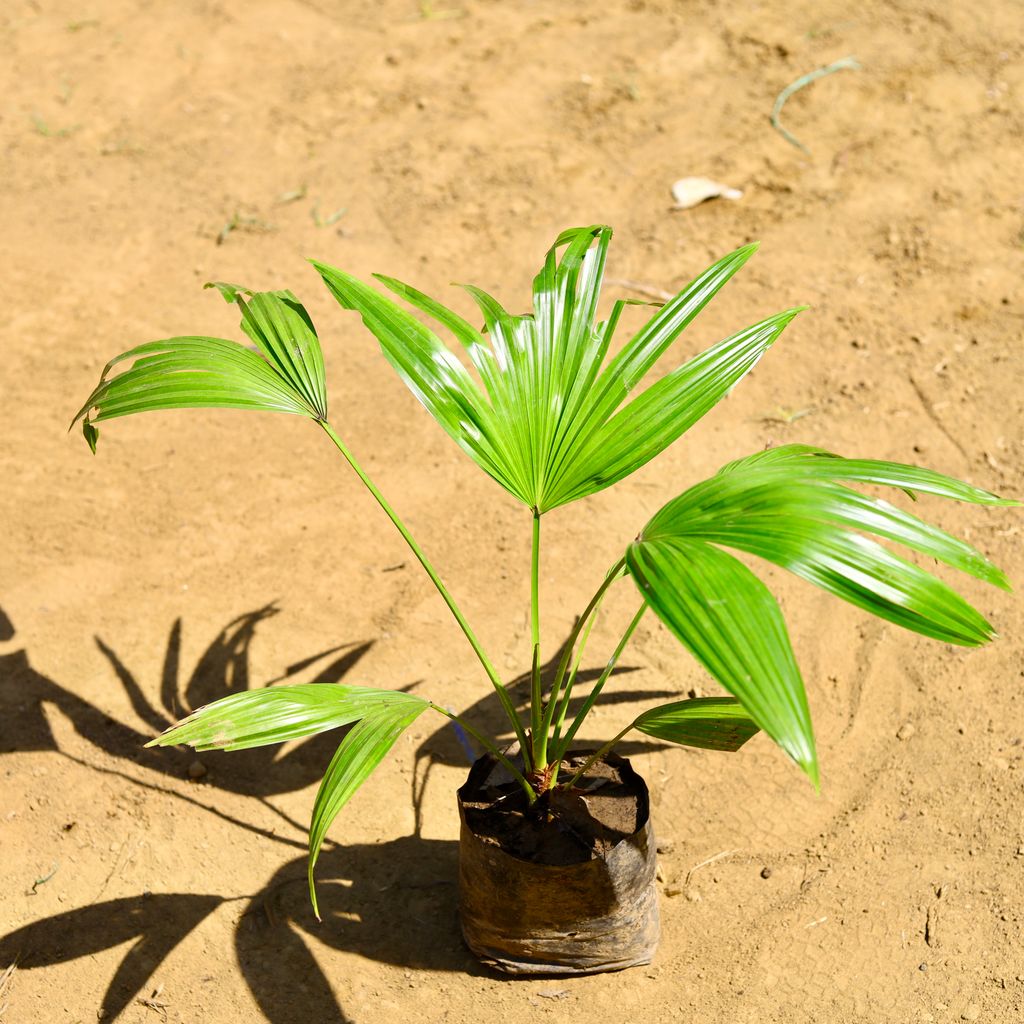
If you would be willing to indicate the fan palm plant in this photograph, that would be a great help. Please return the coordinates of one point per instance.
(553, 419)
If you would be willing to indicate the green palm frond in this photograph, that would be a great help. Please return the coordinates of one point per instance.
(276, 714)
(729, 621)
(286, 374)
(714, 723)
(353, 762)
(787, 506)
(549, 424)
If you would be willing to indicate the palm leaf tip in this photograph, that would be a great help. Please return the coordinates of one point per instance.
(91, 434)
(229, 292)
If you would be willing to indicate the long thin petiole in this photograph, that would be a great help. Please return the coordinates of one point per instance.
(535, 582)
(563, 664)
(588, 704)
(492, 674)
(539, 751)
(596, 756)
(563, 703)
(490, 746)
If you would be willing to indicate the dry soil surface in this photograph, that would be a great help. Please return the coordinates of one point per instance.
(148, 148)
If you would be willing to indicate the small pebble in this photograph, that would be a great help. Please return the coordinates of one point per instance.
(973, 1012)
(766, 872)
(922, 967)
(693, 896)
(905, 731)
(196, 770)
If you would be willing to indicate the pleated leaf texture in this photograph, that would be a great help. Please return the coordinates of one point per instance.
(285, 373)
(714, 723)
(789, 506)
(276, 714)
(549, 422)
(255, 718)
(357, 756)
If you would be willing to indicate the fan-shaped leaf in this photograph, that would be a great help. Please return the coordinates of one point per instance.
(430, 371)
(630, 366)
(199, 372)
(732, 625)
(276, 714)
(284, 333)
(667, 409)
(357, 756)
(715, 723)
(542, 425)
(786, 507)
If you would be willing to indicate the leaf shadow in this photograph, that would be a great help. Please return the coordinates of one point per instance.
(273, 934)
(157, 923)
(221, 669)
(394, 902)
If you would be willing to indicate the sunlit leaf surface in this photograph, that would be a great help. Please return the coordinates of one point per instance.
(715, 723)
(551, 422)
(255, 718)
(285, 375)
(788, 506)
(732, 625)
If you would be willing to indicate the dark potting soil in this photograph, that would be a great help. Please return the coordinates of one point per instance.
(565, 826)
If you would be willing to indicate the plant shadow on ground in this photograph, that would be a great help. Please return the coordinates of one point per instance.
(393, 901)
(223, 668)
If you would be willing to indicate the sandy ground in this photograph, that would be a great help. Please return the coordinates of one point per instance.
(146, 148)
